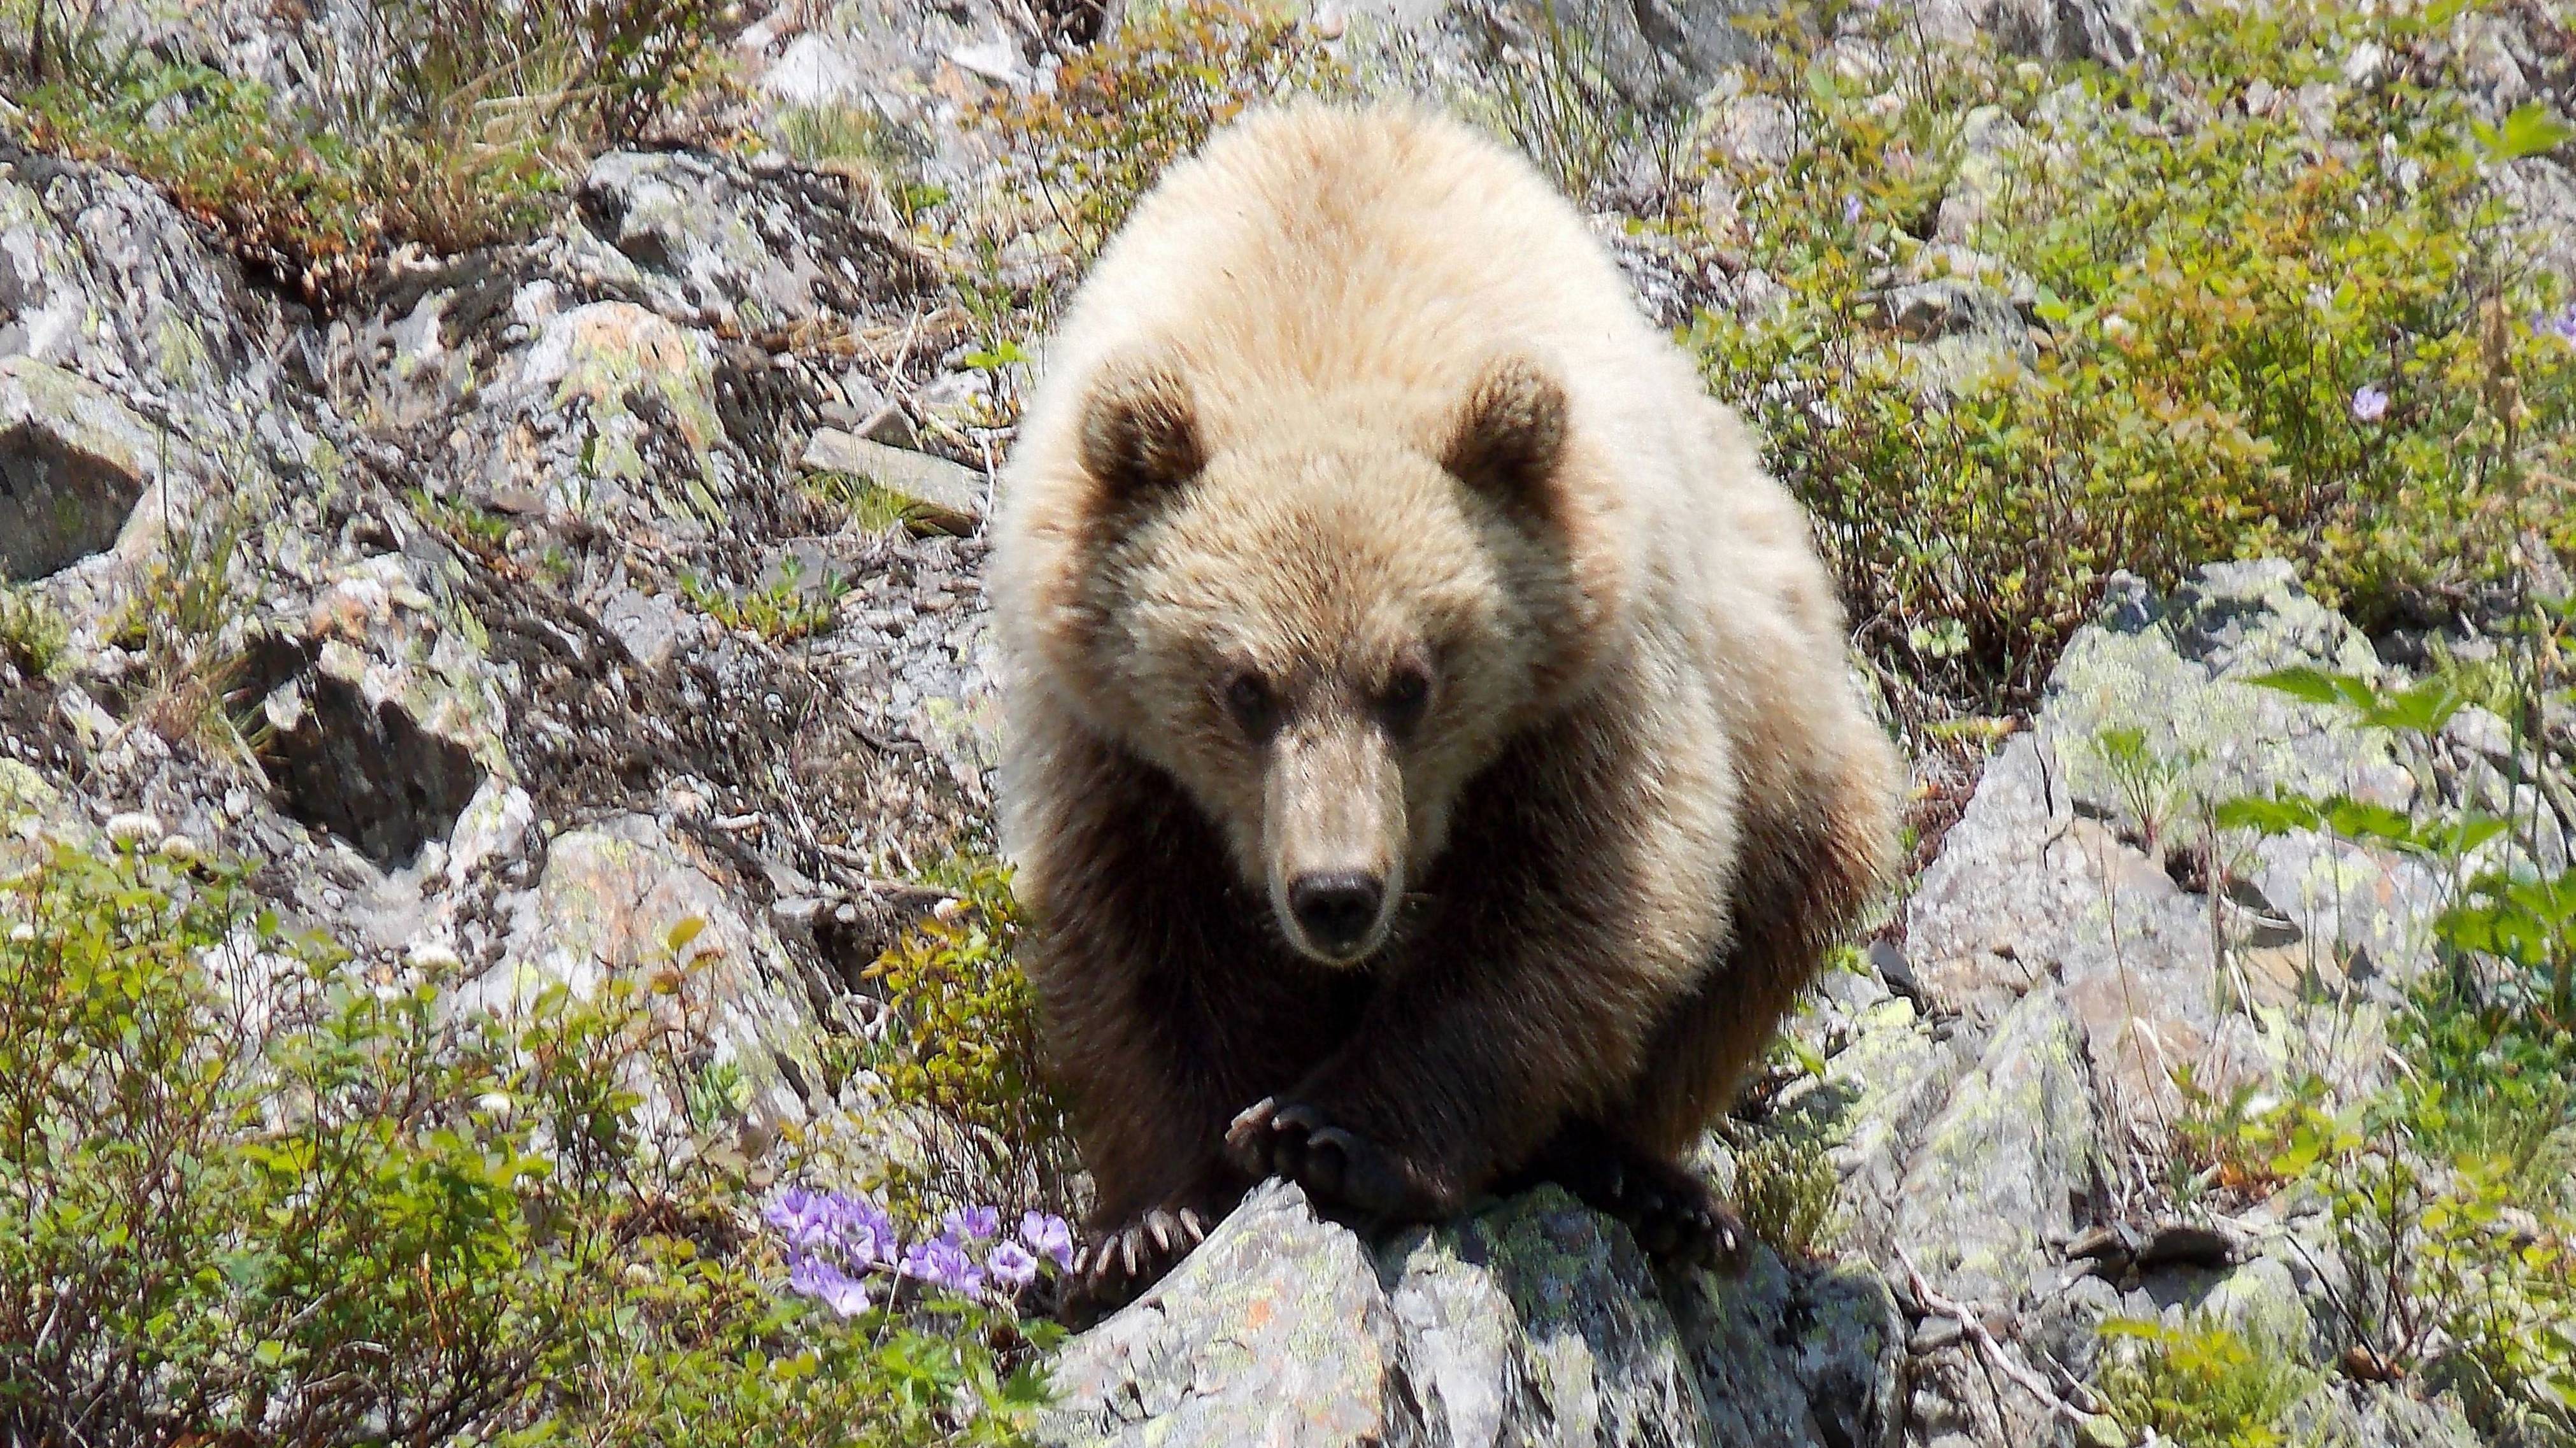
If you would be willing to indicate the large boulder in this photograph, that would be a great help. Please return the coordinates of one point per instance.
(1535, 1321)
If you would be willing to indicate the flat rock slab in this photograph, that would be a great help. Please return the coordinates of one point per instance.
(1534, 1322)
(939, 495)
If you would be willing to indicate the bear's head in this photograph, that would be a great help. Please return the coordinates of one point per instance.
(1324, 631)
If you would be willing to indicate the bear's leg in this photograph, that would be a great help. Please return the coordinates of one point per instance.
(1671, 1212)
(1807, 864)
(1166, 1007)
(1564, 930)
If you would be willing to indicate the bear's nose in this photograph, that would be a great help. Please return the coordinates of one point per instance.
(1336, 910)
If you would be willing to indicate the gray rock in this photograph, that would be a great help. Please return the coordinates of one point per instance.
(651, 625)
(1537, 1322)
(607, 903)
(73, 463)
(2096, 30)
(1533, 1322)
(1275, 1330)
(1797, 1357)
(1951, 307)
(943, 496)
(815, 70)
(1995, 1178)
(1991, 146)
(1880, 1093)
(2210, 736)
(2380, 1416)
(710, 240)
(2048, 882)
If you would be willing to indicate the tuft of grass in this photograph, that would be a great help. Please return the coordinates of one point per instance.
(2201, 1385)
(780, 613)
(1784, 1188)
(32, 634)
(856, 502)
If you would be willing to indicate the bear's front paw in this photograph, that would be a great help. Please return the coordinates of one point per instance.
(1112, 1269)
(1671, 1213)
(1335, 1165)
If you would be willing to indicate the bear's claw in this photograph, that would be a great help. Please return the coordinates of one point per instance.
(1113, 1269)
(1294, 1141)
(1671, 1213)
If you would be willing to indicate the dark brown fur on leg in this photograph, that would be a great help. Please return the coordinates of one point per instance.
(1168, 1009)
(1520, 1002)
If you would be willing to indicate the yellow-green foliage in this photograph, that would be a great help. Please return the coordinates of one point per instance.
(1784, 1189)
(32, 634)
(2258, 330)
(2201, 1385)
(781, 612)
(1123, 111)
(250, 1194)
(441, 122)
(962, 1041)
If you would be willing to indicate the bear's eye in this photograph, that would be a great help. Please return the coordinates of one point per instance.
(1406, 696)
(1248, 699)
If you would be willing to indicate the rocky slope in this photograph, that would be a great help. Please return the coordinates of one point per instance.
(411, 605)
(1995, 1102)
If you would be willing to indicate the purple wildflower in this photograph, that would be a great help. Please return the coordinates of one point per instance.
(803, 1218)
(1012, 1265)
(1048, 1236)
(813, 1277)
(942, 1263)
(1851, 211)
(832, 1221)
(866, 1233)
(2562, 326)
(979, 1223)
(2369, 403)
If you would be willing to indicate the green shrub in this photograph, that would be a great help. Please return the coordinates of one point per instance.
(2201, 1385)
(961, 1044)
(304, 205)
(251, 1192)
(2447, 1190)
(1125, 110)
(2250, 337)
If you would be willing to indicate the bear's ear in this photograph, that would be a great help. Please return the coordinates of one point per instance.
(1510, 435)
(1140, 429)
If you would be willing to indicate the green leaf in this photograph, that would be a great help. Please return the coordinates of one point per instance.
(2531, 130)
(2316, 686)
(2269, 816)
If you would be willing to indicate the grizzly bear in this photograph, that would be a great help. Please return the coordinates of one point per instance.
(1431, 764)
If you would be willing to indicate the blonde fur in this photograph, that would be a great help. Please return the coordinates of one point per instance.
(1643, 726)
